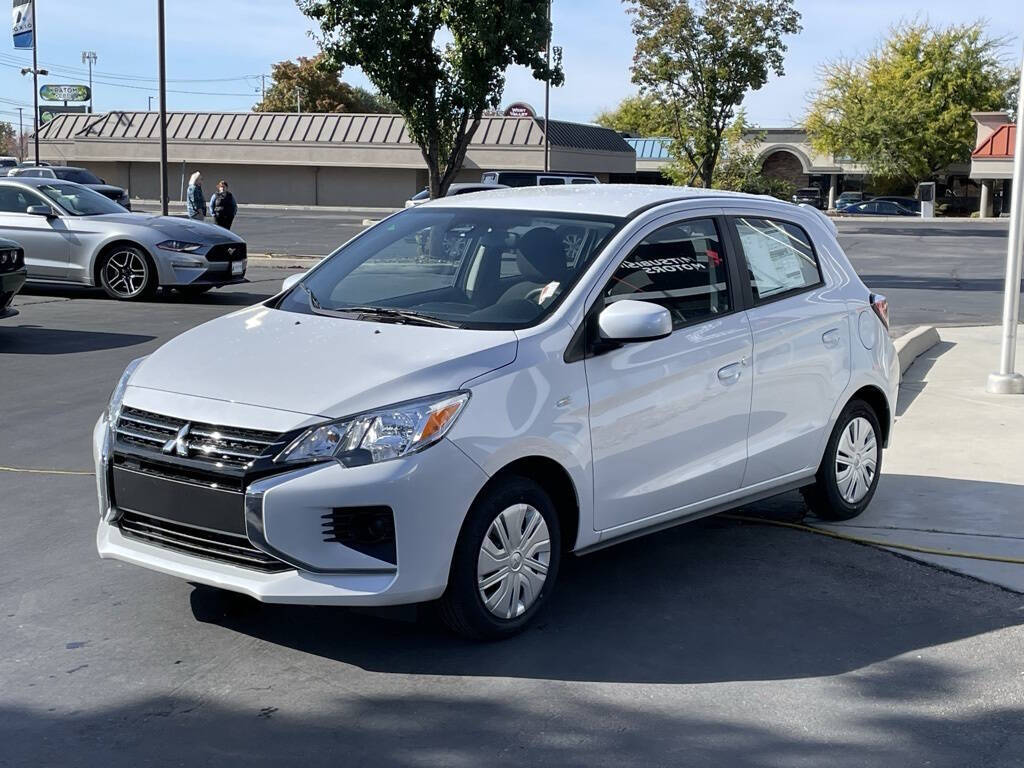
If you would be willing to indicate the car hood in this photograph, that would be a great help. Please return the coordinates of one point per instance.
(106, 189)
(320, 366)
(174, 227)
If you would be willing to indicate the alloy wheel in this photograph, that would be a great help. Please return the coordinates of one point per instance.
(513, 562)
(856, 460)
(126, 273)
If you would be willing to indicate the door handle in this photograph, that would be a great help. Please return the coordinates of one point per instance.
(831, 339)
(730, 373)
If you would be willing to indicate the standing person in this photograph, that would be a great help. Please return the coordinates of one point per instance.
(223, 205)
(194, 199)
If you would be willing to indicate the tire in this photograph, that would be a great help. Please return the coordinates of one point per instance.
(482, 552)
(127, 274)
(849, 471)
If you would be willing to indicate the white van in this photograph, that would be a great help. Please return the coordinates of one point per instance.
(537, 178)
(479, 386)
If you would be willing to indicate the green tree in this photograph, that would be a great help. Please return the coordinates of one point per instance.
(442, 62)
(643, 115)
(8, 140)
(905, 110)
(700, 58)
(321, 88)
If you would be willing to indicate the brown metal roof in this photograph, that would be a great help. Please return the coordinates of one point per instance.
(1000, 144)
(289, 128)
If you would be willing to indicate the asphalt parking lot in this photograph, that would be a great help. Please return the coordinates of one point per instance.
(719, 643)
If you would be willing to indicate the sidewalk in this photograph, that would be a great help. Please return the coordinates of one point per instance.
(953, 477)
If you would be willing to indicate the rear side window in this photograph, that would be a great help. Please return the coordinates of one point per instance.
(779, 257)
(551, 181)
(583, 181)
(682, 268)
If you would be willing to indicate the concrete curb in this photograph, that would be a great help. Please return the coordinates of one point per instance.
(283, 261)
(911, 346)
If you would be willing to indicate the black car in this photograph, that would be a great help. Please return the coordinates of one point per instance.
(808, 196)
(910, 203)
(82, 176)
(12, 275)
(879, 208)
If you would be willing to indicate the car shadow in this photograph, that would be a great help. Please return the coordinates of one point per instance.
(715, 601)
(34, 340)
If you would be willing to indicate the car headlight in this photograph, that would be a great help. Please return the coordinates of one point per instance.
(114, 406)
(179, 246)
(379, 435)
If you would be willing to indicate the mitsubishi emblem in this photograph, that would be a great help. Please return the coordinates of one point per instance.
(179, 443)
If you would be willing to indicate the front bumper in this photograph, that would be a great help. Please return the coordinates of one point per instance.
(429, 494)
(10, 284)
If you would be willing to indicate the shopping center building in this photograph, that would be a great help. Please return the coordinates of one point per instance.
(313, 159)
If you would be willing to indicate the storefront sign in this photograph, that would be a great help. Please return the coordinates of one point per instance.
(64, 93)
(520, 109)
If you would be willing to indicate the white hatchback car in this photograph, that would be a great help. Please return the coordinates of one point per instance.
(473, 388)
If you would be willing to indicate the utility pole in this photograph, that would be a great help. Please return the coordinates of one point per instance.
(150, 103)
(547, 100)
(1007, 381)
(162, 63)
(21, 137)
(263, 87)
(298, 100)
(90, 57)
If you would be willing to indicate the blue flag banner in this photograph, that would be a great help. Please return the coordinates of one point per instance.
(21, 24)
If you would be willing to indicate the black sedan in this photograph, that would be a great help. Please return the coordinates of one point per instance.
(878, 208)
(82, 176)
(12, 275)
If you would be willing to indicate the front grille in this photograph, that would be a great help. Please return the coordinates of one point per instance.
(220, 447)
(227, 252)
(199, 542)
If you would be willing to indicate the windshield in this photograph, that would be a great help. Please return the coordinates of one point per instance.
(78, 200)
(471, 268)
(77, 175)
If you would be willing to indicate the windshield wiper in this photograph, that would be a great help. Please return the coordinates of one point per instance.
(389, 313)
(313, 301)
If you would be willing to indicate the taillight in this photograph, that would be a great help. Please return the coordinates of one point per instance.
(881, 306)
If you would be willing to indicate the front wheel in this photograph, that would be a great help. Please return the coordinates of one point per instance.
(505, 562)
(126, 274)
(849, 471)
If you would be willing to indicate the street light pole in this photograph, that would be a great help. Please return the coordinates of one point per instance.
(162, 63)
(547, 100)
(1007, 381)
(90, 58)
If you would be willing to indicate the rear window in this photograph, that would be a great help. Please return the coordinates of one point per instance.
(779, 255)
(77, 175)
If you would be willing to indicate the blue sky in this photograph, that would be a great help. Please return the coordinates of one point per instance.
(217, 49)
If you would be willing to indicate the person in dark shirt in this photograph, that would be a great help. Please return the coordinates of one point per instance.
(223, 205)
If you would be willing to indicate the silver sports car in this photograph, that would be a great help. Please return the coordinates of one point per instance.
(71, 234)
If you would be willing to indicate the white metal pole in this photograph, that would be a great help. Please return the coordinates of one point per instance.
(1007, 381)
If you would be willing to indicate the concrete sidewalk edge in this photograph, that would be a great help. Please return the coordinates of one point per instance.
(911, 346)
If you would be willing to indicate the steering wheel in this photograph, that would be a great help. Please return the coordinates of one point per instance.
(535, 294)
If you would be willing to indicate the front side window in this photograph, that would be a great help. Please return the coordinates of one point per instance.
(17, 200)
(682, 268)
(78, 200)
(463, 267)
(779, 257)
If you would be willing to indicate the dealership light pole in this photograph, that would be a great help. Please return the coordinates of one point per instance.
(90, 57)
(1007, 381)
(162, 63)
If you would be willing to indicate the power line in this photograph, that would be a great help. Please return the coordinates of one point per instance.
(147, 88)
(71, 70)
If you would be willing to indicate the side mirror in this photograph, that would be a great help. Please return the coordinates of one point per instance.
(291, 281)
(40, 210)
(628, 320)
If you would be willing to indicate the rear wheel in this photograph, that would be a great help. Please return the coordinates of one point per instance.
(849, 471)
(505, 562)
(126, 274)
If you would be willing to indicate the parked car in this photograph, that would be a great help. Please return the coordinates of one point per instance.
(12, 275)
(454, 189)
(848, 198)
(74, 235)
(809, 196)
(912, 204)
(879, 208)
(27, 164)
(81, 176)
(452, 402)
(6, 163)
(537, 178)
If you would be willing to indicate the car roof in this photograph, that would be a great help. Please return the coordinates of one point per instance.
(595, 199)
(32, 181)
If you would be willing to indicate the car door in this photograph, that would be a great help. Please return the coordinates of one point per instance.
(801, 334)
(45, 239)
(668, 418)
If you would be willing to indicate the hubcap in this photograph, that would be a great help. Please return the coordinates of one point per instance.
(856, 460)
(513, 562)
(125, 273)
